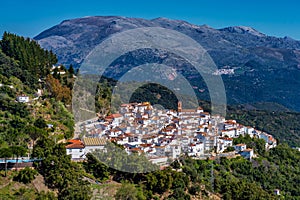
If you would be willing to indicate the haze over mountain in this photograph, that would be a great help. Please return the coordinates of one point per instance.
(265, 68)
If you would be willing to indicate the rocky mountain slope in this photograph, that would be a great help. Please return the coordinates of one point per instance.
(262, 68)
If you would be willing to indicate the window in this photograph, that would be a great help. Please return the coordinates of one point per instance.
(70, 150)
(80, 150)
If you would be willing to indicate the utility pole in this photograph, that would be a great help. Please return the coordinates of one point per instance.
(212, 179)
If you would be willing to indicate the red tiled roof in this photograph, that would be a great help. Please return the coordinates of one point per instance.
(75, 144)
(230, 122)
(248, 150)
(129, 134)
(224, 138)
(77, 141)
(188, 110)
(112, 116)
(160, 147)
(145, 145)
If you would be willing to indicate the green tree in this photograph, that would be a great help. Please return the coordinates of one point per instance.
(40, 123)
(71, 70)
(35, 133)
(179, 194)
(45, 196)
(18, 151)
(77, 190)
(26, 175)
(94, 166)
(159, 181)
(5, 153)
(43, 147)
(229, 149)
(62, 174)
(28, 52)
(127, 192)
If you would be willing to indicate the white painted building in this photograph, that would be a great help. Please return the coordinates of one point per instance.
(196, 149)
(229, 132)
(240, 147)
(173, 151)
(92, 144)
(78, 149)
(159, 160)
(75, 149)
(223, 143)
(247, 153)
(23, 99)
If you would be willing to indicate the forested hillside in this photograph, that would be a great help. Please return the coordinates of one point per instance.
(26, 70)
(30, 59)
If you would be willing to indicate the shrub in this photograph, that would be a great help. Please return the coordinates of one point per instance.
(26, 175)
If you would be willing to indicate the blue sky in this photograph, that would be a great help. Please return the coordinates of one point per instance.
(278, 18)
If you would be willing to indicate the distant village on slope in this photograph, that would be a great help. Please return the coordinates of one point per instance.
(164, 135)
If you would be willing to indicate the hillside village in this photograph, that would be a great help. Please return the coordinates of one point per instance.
(36, 122)
(164, 135)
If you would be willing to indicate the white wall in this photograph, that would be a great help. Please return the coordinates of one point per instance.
(76, 153)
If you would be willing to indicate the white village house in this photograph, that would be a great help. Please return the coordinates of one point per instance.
(23, 99)
(79, 148)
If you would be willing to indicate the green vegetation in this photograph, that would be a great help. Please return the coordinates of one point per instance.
(99, 170)
(26, 175)
(30, 56)
(59, 172)
(129, 191)
(13, 188)
(5, 153)
(24, 68)
(258, 145)
(235, 178)
(156, 94)
(117, 158)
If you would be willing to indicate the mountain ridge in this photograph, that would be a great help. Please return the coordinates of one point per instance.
(266, 68)
(118, 24)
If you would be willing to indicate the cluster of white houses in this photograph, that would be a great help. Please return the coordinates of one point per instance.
(164, 134)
